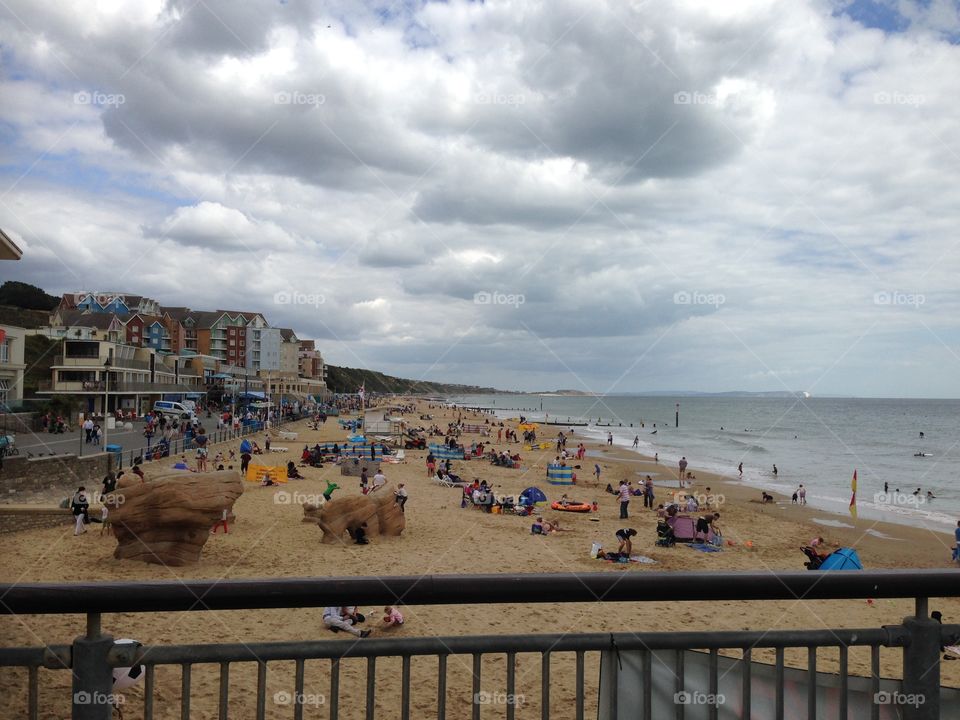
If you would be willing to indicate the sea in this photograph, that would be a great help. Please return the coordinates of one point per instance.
(816, 442)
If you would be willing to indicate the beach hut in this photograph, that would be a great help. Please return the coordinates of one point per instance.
(559, 475)
(842, 559)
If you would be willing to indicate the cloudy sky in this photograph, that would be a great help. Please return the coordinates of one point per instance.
(615, 196)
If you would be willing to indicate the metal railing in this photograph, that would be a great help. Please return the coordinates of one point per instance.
(92, 658)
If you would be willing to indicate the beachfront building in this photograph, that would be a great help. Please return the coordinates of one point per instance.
(11, 365)
(147, 331)
(311, 362)
(119, 376)
(263, 345)
(109, 303)
(289, 353)
(80, 325)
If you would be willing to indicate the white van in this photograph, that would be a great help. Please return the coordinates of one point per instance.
(176, 409)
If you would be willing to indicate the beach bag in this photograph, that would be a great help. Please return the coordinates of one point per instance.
(594, 550)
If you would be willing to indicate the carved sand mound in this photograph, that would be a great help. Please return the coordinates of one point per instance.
(378, 510)
(167, 520)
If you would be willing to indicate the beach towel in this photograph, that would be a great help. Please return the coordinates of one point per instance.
(704, 548)
(640, 559)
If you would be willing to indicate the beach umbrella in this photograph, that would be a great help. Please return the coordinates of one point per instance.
(842, 559)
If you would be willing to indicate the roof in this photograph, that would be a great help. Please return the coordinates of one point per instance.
(246, 315)
(288, 335)
(177, 313)
(78, 318)
(8, 248)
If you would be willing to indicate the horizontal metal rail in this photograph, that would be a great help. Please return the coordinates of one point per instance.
(193, 595)
(127, 655)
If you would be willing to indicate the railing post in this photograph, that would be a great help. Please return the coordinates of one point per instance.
(920, 690)
(92, 676)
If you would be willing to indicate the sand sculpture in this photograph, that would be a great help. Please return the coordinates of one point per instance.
(167, 519)
(378, 510)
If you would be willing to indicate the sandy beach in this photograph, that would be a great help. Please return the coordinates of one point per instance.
(269, 540)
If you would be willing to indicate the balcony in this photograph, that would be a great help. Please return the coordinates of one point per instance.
(156, 387)
(97, 363)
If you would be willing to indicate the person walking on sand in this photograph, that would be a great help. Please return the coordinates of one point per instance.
(609, 438)
(802, 493)
(740, 470)
(596, 471)
(624, 498)
(775, 471)
(636, 441)
(956, 549)
(683, 469)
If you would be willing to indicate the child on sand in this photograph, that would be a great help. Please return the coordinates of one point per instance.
(391, 617)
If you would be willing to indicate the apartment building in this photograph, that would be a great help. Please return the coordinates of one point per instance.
(11, 365)
(120, 376)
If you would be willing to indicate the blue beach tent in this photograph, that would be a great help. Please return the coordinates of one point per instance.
(842, 559)
(532, 496)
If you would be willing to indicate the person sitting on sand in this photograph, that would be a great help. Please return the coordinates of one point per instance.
(766, 497)
(661, 511)
(255, 448)
(360, 535)
(624, 535)
(337, 618)
(537, 527)
(292, 472)
(181, 463)
(391, 617)
(611, 490)
(552, 526)
(306, 456)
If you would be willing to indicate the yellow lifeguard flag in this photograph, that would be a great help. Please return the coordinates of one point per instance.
(853, 496)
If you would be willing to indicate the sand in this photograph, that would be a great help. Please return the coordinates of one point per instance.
(269, 540)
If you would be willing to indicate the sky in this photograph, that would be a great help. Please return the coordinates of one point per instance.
(609, 196)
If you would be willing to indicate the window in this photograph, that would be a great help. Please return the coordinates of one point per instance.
(5, 351)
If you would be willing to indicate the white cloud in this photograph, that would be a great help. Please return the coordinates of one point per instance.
(596, 158)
